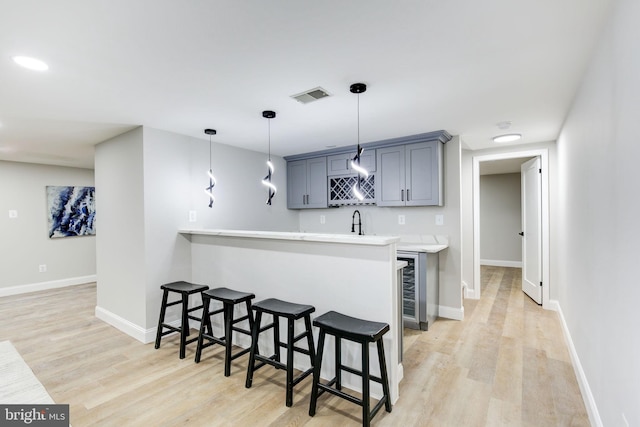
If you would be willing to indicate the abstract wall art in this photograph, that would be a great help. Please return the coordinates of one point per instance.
(71, 211)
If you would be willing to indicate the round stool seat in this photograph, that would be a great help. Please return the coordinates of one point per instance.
(351, 327)
(228, 295)
(283, 308)
(184, 287)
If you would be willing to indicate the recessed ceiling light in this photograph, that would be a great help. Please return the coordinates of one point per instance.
(30, 63)
(510, 137)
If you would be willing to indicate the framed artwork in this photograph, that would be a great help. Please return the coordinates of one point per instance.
(71, 211)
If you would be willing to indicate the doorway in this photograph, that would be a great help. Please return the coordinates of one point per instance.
(543, 155)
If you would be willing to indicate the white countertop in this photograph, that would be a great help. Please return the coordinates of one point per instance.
(286, 235)
(421, 247)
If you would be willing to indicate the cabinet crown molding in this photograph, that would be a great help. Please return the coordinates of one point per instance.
(440, 135)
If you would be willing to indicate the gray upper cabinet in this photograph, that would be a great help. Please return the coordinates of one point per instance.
(340, 164)
(307, 183)
(410, 175)
(404, 171)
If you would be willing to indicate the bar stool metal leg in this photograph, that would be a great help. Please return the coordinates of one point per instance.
(228, 331)
(254, 345)
(163, 309)
(184, 330)
(384, 376)
(316, 374)
(366, 413)
(290, 340)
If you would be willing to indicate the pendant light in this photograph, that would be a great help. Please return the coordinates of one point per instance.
(212, 180)
(363, 174)
(267, 114)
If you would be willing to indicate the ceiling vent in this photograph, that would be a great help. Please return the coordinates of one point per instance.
(311, 95)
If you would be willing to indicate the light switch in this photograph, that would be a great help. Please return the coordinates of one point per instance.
(439, 219)
(401, 219)
(13, 213)
(192, 216)
(322, 219)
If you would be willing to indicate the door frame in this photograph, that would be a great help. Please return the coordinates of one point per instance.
(544, 203)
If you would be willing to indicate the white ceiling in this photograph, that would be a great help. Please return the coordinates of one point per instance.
(183, 66)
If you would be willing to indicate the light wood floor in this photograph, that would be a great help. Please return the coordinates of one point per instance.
(505, 364)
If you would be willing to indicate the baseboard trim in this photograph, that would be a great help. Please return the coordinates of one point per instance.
(501, 263)
(451, 313)
(43, 286)
(587, 396)
(469, 293)
(145, 336)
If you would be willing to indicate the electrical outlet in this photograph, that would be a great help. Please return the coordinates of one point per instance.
(439, 219)
(401, 219)
(42, 268)
(193, 216)
(13, 214)
(322, 219)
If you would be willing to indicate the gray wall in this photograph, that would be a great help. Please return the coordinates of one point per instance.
(25, 242)
(418, 221)
(150, 180)
(500, 220)
(598, 216)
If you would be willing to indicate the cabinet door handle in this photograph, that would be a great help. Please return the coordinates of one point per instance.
(303, 196)
(347, 164)
(402, 195)
(408, 198)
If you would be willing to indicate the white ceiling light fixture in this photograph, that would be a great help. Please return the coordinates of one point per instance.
(509, 137)
(267, 114)
(212, 180)
(30, 63)
(358, 88)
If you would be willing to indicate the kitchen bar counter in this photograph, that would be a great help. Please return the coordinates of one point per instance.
(421, 247)
(354, 275)
(308, 237)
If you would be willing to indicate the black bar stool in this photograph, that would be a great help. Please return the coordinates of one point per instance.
(362, 332)
(291, 312)
(184, 289)
(229, 299)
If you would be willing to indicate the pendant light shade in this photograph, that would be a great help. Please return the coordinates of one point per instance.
(266, 181)
(212, 180)
(363, 174)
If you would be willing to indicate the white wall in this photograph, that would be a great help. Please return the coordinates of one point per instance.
(598, 245)
(500, 219)
(25, 242)
(418, 221)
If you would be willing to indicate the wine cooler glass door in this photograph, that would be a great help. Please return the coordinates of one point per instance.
(410, 297)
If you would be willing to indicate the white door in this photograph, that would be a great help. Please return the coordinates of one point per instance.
(532, 229)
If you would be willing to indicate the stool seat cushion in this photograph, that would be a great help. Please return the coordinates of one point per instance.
(186, 287)
(350, 327)
(228, 295)
(283, 308)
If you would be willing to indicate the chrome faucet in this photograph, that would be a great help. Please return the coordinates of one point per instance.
(353, 223)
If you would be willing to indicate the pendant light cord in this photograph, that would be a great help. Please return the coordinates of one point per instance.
(358, 125)
(269, 121)
(210, 152)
